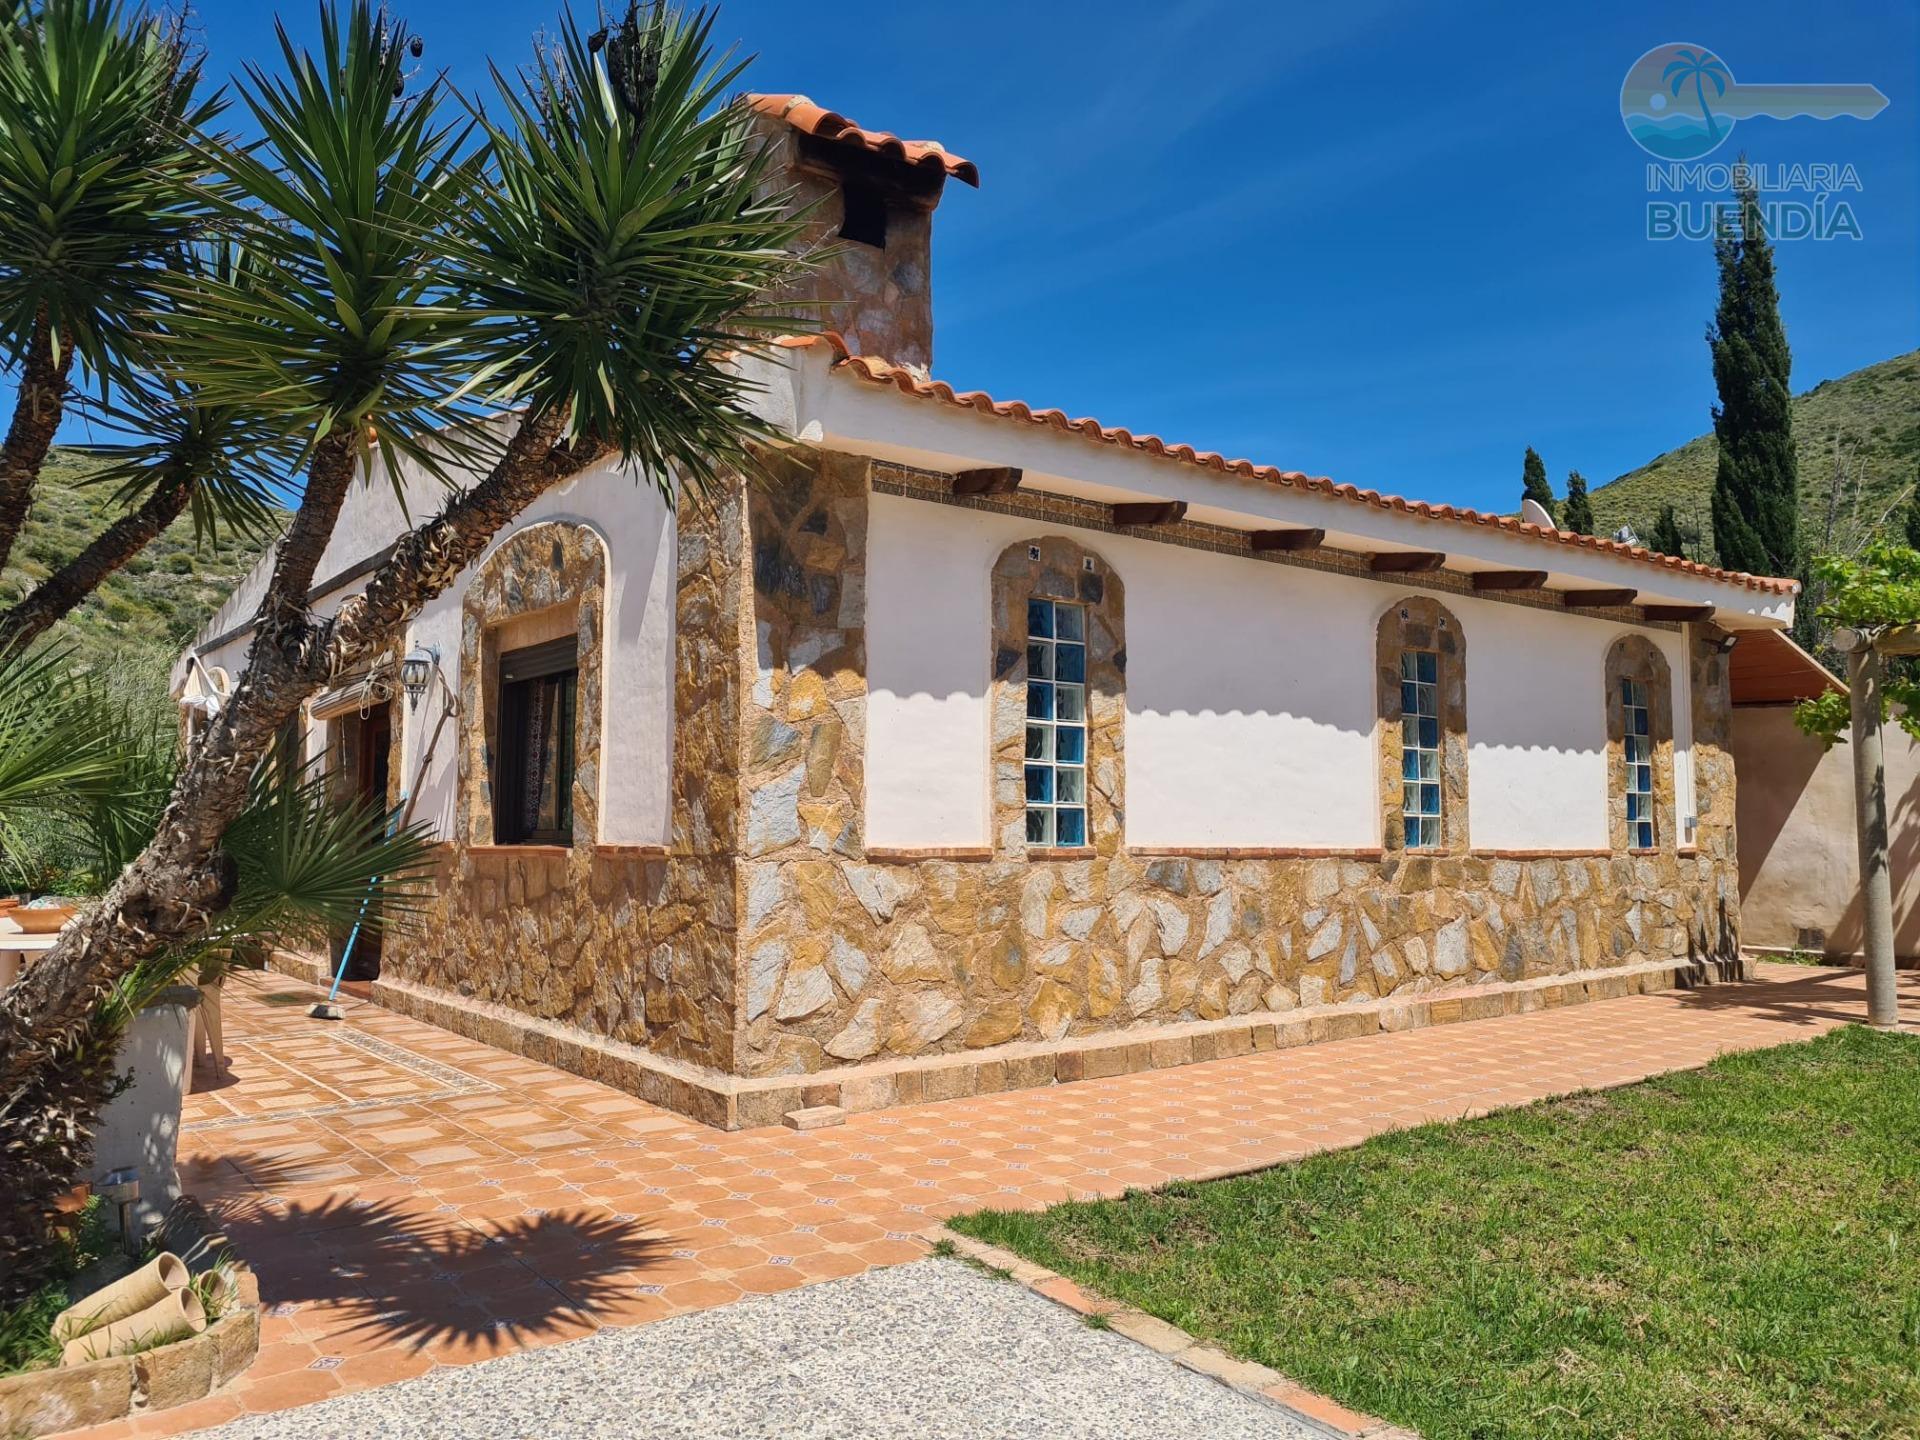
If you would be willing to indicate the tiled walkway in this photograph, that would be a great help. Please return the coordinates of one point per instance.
(413, 1199)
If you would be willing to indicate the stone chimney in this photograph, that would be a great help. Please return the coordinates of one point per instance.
(873, 196)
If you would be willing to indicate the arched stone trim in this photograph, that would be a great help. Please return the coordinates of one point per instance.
(1418, 622)
(1635, 657)
(554, 570)
(1054, 567)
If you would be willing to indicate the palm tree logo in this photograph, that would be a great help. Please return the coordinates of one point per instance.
(1698, 66)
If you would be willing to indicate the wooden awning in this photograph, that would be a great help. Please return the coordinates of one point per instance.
(1769, 669)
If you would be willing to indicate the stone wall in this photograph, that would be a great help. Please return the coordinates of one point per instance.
(632, 942)
(767, 940)
(850, 957)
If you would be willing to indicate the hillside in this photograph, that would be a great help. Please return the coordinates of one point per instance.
(139, 620)
(1875, 415)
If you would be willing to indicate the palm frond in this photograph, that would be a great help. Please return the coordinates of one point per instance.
(56, 744)
(625, 245)
(341, 202)
(98, 106)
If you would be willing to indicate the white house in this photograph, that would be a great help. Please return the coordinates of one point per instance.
(977, 747)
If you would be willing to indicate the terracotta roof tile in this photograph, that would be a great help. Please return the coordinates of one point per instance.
(811, 119)
(884, 372)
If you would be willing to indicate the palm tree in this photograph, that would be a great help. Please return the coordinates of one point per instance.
(522, 298)
(300, 865)
(1698, 66)
(97, 173)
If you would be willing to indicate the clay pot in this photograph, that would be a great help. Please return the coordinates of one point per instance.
(176, 1316)
(160, 1277)
(41, 920)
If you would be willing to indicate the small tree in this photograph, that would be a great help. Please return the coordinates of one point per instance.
(1577, 514)
(1665, 536)
(1872, 603)
(1912, 520)
(1534, 485)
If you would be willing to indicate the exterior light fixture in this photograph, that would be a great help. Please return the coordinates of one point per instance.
(416, 671)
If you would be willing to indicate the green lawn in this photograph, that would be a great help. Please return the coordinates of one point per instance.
(1731, 1252)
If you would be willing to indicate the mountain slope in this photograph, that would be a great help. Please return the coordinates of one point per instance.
(1872, 414)
(138, 621)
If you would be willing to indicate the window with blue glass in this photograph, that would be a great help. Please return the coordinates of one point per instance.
(1056, 762)
(1420, 747)
(1638, 745)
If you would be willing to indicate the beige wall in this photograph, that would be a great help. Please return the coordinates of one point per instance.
(1799, 865)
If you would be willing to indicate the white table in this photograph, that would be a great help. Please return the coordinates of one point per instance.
(15, 947)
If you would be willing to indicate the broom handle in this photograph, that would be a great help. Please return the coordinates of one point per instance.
(353, 936)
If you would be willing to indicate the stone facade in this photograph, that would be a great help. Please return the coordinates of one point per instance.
(848, 960)
(880, 300)
(771, 950)
(634, 943)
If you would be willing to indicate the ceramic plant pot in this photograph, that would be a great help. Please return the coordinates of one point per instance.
(176, 1316)
(144, 1288)
(40, 920)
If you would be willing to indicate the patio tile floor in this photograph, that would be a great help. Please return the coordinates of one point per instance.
(410, 1198)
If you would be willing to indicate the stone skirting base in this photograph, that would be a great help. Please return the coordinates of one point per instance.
(730, 1102)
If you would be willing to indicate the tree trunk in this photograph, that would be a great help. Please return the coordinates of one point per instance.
(1870, 807)
(53, 1078)
(37, 408)
(57, 595)
(169, 893)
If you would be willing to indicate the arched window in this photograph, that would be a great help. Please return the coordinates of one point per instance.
(532, 637)
(1059, 671)
(1421, 653)
(1639, 699)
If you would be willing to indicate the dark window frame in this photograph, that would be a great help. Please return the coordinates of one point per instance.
(527, 677)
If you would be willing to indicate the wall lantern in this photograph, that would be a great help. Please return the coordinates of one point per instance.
(416, 671)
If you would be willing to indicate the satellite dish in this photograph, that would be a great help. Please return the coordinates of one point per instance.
(1532, 512)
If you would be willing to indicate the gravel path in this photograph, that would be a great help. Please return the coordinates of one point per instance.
(929, 1351)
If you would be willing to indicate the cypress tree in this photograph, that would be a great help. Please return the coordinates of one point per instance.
(1534, 486)
(1577, 514)
(1756, 489)
(1913, 519)
(1666, 537)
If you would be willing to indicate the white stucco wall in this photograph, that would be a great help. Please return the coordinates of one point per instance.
(1250, 697)
(638, 725)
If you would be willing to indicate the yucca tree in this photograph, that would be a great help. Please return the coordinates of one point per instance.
(99, 108)
(510, 300)
(301, 867)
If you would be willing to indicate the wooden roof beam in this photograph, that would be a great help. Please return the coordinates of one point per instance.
(994, 480)
(1597, 599)
(1405, 562)
(1484, 580)
(1263, 541)
(1676, 612)
(1150, 512)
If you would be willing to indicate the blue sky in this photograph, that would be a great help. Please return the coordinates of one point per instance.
(1394, 243)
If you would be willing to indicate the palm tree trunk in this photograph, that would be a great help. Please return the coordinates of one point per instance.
(57, 595)
(182, 878)
(37, 409)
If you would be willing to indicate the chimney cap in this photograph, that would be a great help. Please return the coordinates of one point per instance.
(823, 124)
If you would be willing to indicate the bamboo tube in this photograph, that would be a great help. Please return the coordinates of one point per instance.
(179, 1314)
(128, 1295)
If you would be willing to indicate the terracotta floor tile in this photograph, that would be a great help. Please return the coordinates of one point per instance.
(532, 1205)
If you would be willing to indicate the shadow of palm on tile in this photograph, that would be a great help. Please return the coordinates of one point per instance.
(360, 1272)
